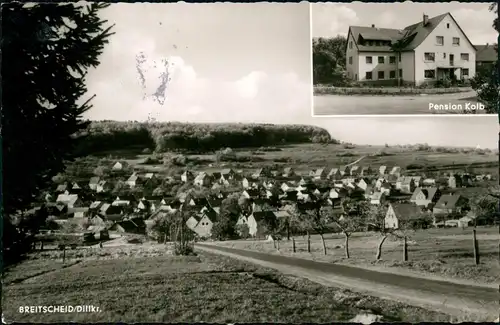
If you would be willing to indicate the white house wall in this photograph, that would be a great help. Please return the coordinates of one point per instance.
(430, 45)
(407, 64)
(352, 69)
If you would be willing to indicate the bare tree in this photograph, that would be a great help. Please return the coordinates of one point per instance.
(376, 222)
(353, 220)
(316, 218)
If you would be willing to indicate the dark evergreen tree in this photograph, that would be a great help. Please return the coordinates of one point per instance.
(46, 52)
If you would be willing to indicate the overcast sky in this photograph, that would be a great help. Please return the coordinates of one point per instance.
(238, 63)
(332, 19)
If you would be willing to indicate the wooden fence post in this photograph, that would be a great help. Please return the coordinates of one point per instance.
(476, 248)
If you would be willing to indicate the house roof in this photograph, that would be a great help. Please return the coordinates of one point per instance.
(200, 176)
(258, 172)
(61, 187)
(226, 171)
(447, 201)
(130, 224)
(319, 171)
(214, 202)
(253, 192)
(410, 37)
(406, 210)
(211, 214)
(486, 53)
(96, 204)
(111, 209)
(282, 214)
(76, 210)
(429, 192)
(67, 199)
(132, 178)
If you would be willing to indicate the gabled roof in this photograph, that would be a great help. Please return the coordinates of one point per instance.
(282, 214)
(61, 187)
(258, 172)
(133, 178)
(406, 210)
(96, 204)
(252, 192)
(410, 37)
(447, 201)
(226, 171)
(429, 192)
(486, 53)
(319, 171)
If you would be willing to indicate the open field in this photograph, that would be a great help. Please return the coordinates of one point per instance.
(441, 253)
(304, 157)
(207, 287)
(379, 105)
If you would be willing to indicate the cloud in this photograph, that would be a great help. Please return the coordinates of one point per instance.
(477, 23)
(332, 19)
(256, 97)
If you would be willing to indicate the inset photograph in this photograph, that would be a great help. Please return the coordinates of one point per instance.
(404, 58)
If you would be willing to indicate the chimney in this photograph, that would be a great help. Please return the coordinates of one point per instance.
(373, 26)
(425, 20)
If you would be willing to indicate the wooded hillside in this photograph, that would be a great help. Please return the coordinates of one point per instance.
(110, 135)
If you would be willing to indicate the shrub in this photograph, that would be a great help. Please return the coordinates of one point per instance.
(415, 166)
(243, 231)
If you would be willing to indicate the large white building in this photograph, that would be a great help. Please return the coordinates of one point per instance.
(429, 50)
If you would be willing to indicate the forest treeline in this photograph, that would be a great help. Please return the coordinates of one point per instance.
(162, 137)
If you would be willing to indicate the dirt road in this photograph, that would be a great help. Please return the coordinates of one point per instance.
(452, 298)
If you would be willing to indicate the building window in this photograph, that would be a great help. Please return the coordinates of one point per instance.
(440, 40)
(381, 60)
(399, 55)
(456, 41)
(369, 59)
(465, 72)
(350, 60)
(392, 59)
(429, 57)
(392, 74)
(350, 44)
(464, 56)
(368, 76)
(448, 25)
(444, 55)
(429, 74)
(381, 75)
(400, 73)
